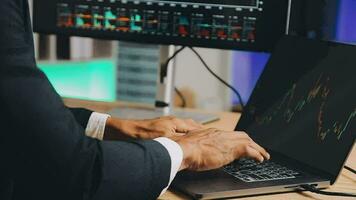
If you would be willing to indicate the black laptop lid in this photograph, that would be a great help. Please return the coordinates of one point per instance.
(304, 105)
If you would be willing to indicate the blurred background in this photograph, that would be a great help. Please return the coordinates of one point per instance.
(110, 70)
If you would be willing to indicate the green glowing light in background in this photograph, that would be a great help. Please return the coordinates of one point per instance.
(89, 80)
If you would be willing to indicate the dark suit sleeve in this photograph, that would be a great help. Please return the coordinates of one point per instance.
(46, 154)
(81, 115)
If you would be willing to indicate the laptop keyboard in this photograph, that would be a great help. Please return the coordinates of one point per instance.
(248, 170)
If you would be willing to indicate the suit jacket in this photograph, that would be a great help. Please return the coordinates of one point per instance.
(81, 115)
(44, 153)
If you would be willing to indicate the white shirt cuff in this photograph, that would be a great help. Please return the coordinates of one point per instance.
(176, 154)
(96, 125)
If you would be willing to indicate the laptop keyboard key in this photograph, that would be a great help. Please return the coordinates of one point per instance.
(250, 171)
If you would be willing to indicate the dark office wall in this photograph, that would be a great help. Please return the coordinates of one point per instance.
(307, 18)
(318, 18)
(326, 19)
(331, 16)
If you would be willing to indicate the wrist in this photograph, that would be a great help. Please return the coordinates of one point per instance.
(115, 124)
(186, 151)
(109, 122)
(114, 129)
(184, 164)
(128, 128)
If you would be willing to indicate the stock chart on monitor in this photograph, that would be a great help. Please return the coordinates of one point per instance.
(315, 116)
(229, 24)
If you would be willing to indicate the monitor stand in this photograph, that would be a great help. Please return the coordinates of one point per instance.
(165, 95)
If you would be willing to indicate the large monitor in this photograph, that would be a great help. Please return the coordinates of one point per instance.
(254, 25)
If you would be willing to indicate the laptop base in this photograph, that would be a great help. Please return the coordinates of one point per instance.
(218, 184)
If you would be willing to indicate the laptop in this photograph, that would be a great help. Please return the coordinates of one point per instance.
(303, 111)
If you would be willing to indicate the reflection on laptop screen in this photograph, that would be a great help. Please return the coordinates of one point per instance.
(314, 118)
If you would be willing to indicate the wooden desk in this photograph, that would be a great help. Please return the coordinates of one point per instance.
(345, 183)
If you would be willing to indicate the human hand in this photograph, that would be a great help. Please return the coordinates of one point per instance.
(212, 148)
(117, 129)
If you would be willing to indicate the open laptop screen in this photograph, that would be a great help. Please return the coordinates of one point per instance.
(304, 105)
